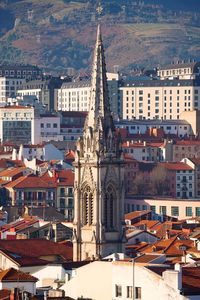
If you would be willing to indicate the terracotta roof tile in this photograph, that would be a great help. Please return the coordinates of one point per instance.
(136, 214)
(16, 275)
(177, 166)
(32, 181)
(37, 248)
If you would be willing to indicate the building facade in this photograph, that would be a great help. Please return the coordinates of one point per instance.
(27, 72)
(159, 99)
(99, 174)
(75, 96)
(9, 87)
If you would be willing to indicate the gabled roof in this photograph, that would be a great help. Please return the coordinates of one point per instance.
(65, 177)
(136, 214)
(12, 274)
(176, 166)
(10, 172)
(31, 181)
(35, 248)
(171, 247)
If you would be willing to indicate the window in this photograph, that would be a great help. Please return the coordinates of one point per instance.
(118, 290)
(175, 211)
(197, 211)
(188, 211)
(55, 125)
(163, 210)
(140, 92)
(144, 207)
(138, 294)
(48, 125)
(129, 290)
(153, 208)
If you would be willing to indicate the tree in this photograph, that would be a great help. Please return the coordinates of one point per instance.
(159, 181)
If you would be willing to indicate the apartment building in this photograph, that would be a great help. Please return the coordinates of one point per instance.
(20, 71)
(26, 124)
(75, 96)
(180, 128)
(180, 70)
(9, 87)
(159, 99)
(152, 152)
(44, 90)
(179, 208)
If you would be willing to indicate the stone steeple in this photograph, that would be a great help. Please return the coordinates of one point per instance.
(99, 174)
(99, 128)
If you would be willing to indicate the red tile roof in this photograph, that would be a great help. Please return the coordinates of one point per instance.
(187, 142)
(136, 214)
(176, 166)
(10, 172)
(5, 294)
(146, 258)
(32, 181)
(12, 274)
(36, 248)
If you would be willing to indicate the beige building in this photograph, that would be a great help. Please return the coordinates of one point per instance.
(125, 280)
(181, 70)
(99, 175)
(179, 208)
(159, 99)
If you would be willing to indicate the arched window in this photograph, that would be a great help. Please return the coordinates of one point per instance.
(109, 208)
(88, 206)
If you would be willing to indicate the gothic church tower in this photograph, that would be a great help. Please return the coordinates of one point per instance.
(99, 174)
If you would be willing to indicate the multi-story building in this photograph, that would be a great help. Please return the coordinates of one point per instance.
(72, 123)
(27, 72)
(9, 87)
(27, 124)
(159, 99)
(181, 70)
(180, 128)
(75, 96)
(186, 148)
(181, 179)
(65, 193)
(44, 90)
(152, 152)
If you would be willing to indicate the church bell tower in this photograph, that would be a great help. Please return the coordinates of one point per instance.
(99, 174)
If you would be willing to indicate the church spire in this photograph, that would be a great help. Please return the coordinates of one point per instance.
(99, 127)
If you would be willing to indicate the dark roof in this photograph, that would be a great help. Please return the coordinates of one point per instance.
(193, 65)
(155, 122)
(75, 84)
(160, 83)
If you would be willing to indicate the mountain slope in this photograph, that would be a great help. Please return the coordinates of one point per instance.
(60, 34)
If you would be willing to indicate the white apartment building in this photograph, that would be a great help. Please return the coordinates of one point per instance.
(180, 128)
(25, 125)
(159, 99)
(9, 87)
(75, 96)
(19, 124)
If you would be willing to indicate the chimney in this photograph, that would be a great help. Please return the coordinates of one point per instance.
(173, 278)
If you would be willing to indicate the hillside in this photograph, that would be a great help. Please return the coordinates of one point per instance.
(60, 34)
